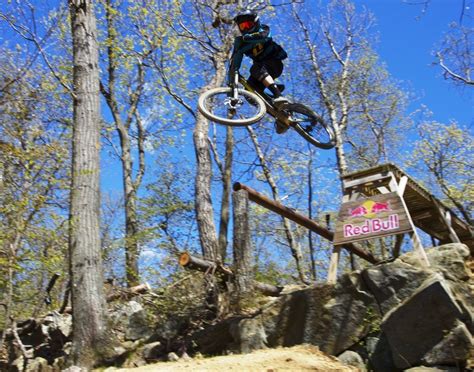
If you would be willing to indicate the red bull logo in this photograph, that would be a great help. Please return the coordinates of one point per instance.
(370, 209)
(370, 226)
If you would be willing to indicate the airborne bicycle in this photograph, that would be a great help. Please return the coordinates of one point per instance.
(236, 106)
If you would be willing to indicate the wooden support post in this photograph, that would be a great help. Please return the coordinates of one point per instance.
(332, 272)
(446, 218)
(398, 245)
(241, 242)
(417, 246)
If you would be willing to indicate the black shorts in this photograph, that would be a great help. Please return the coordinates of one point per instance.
(260, 70)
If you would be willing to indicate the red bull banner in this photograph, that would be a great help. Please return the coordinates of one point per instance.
(374, 217)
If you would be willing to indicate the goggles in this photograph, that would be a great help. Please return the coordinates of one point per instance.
(246, 25)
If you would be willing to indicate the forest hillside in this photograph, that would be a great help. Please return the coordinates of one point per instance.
(134, 225)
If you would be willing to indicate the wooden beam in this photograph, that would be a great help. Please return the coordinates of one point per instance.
(291, 214)
(373, 178)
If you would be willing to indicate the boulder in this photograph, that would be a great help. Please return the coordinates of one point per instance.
(394, 282)
(132, 321)
(432, 369)
(332, 317)
(152, 351)
(453, 349)
(379, 353)
(38, 365)
(420, 323)
(351, 358)
(249, 335)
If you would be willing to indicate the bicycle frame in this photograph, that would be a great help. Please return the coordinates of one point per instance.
(278, 114)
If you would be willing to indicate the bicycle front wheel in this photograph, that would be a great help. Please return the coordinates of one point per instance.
(311, 126)
(214, 104)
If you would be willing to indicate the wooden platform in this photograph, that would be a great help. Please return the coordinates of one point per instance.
(427, 212)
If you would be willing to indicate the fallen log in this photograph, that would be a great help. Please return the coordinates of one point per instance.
(195, 263)
(128, 292)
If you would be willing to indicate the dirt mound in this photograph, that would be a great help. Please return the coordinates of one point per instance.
(297, 358)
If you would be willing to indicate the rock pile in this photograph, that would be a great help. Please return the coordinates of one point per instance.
(394, 316)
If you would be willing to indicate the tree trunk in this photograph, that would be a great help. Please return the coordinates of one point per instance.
(226, 190)
(131, 223)
(203, 200)
(294, 246)
(89, 311)
(130, 185)
(242, 247)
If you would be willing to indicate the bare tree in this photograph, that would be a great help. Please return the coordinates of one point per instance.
(455, 57)
(361, 103)
(292, 241)
(89, 308)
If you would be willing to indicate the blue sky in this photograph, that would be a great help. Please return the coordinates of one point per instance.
(406, 40)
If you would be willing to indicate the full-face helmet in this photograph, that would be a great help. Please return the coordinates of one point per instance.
(248, 22)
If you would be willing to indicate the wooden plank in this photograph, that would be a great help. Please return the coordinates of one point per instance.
(374, 217)
(361, 181)
(332, 272)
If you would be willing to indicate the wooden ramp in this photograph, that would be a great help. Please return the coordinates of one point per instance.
(426, 211)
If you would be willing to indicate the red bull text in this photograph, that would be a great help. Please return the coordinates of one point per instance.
(372, 226)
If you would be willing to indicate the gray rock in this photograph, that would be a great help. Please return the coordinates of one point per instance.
(449, 259)
(18, 364)
(379, 354)
(453, 349)
(336, 319)
(351, 358)
(394, 282)
(75, 369)
(172, 357)
(62, 323)
(151, 351)
(432, 369)
(249, 335)
(38, 365)
(332, 317)
(138, 326)
(420, 323)
(132, 320)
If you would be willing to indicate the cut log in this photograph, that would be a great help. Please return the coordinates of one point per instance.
(194, 263)
(129, 292)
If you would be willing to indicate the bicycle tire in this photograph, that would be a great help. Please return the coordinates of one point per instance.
(324, 135)
(205, 104)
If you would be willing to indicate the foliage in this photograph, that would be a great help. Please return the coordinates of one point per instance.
(444, 155)
(34, 159)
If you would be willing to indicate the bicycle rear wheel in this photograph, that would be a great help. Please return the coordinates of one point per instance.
(214, 105)
(311, 126)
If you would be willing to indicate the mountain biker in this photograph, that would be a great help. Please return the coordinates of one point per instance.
(256, 42)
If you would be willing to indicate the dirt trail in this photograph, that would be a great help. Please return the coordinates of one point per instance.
(297, 358)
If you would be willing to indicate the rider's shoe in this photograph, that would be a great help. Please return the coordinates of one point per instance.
(280, 127)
